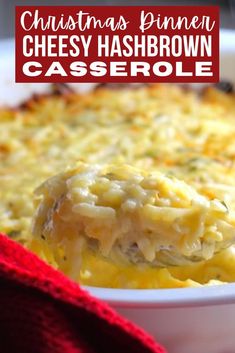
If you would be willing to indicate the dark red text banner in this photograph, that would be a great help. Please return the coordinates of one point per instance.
(117, 44)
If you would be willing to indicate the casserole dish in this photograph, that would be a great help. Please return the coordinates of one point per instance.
(184, 320)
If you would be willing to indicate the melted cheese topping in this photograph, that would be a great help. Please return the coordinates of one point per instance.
(160, 127)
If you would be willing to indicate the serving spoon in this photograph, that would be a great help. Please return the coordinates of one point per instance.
(131, 215)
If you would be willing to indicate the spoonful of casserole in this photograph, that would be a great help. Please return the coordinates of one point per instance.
(129, 215)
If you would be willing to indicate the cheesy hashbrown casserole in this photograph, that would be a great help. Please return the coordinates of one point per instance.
(163, 129)
(129, 215)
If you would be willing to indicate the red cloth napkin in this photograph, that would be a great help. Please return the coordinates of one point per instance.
(42, 311)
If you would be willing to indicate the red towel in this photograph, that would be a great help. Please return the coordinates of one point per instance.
(42, 311)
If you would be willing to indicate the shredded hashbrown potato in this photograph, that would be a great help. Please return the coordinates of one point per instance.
(127, 214)
(160, 127)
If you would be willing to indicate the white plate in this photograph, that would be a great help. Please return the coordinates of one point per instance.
(189, 320)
